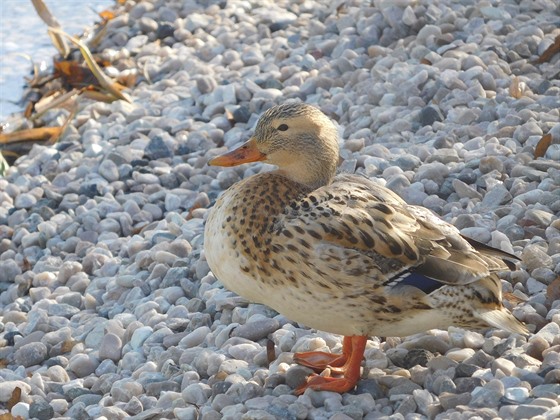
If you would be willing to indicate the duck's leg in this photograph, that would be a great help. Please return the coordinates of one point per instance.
(350, 371)
(320, 360)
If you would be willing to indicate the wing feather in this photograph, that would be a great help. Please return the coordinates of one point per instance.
(357, 219)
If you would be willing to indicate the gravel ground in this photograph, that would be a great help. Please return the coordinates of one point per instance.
(107, 306)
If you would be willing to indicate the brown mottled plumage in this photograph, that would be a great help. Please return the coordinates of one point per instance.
(343, 254)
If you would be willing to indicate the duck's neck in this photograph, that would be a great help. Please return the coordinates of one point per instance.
(312, 173)
(309, 180)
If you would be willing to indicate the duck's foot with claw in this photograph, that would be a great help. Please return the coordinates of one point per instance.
(346, 364)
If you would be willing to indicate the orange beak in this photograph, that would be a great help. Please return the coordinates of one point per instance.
(245, 153)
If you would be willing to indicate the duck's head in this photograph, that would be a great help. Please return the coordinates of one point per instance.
(298, 138)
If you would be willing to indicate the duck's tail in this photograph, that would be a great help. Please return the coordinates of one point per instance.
(490, 309)
(501, 318)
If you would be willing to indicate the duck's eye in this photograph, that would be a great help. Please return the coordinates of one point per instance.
(282, 127)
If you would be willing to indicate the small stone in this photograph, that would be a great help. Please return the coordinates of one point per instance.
(113, 413)
(545, 402)
(539, 217)
(546, 391)
(406, 387)
(125, 389)
(407, 163)
(409, 17)
(41, 410)
(164, 30)
(82, 365)
(468, 384)
(406, 406)
(134, 406)
(206, 84)
(25, 201)
(147, 24)
(172, 202)
(533, 286)
(21, 409)
(9, 269)
(435, 171)
(95, 336)
(527, 411)
(256, 330)
(495, 13)
(106, 366)
(62, 309)
(414, 196)
(473, 339)
(188, 413)
(31, 354)
(479, 234)
(465, 370)
(196, 393)
(462, 115)
(549, 332)
(552, 377)
(429, 343)
(230, 366)
(489, 164)
(157, 149)
(451, 400)
(35, 336)
(110, 347)
(109, 170)
(544, 275)
(465, 191)
(536, 346)
(429, 115)
(485, 398)
(533, 256)
(58, 374)
(443, 384)
(460, 355)
(489, 395)
(424, 400)
(517, 394)
(139, 336)
(419, 374)
(252, 57)
(170, 392)
(506, 366)
(496, 197)
(242, 114)
(87, 398)
(523, 132)
(297, 376)
(365, 402)
(78, 412)
(441, 363)
(258, 415)
(417, 357)
(195, 338)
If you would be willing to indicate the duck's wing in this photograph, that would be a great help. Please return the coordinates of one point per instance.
(356, 221)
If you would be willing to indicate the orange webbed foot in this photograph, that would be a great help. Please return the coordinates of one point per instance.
(327, 383)
(319, 360)
(346, 364)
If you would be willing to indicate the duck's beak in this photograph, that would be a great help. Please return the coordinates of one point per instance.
(245, 153)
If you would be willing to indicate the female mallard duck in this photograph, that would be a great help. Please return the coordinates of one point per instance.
(341, 253)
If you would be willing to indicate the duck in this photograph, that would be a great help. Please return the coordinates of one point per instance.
(341, 253)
